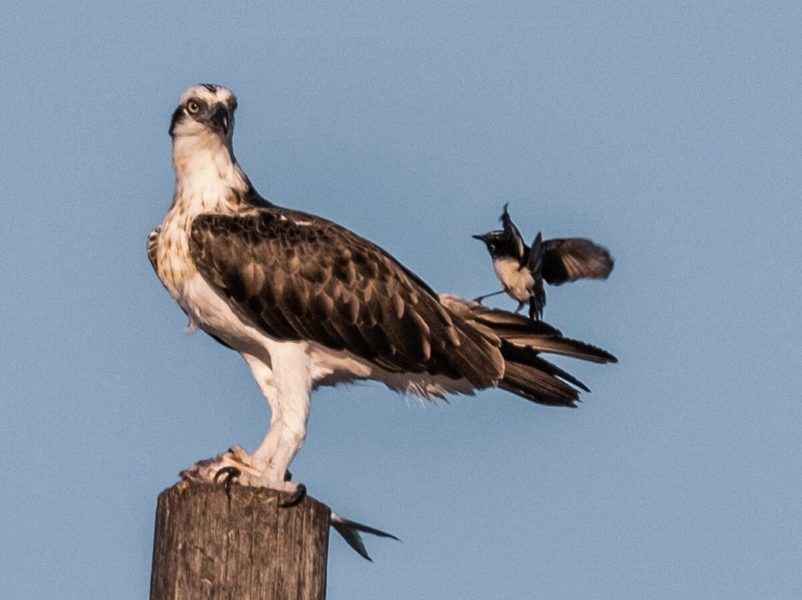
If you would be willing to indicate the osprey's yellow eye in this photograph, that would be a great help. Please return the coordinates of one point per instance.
(193, 106)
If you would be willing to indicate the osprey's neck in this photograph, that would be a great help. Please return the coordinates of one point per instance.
(207, 176)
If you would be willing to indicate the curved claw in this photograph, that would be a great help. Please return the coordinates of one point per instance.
(298, 495)
(231, 474)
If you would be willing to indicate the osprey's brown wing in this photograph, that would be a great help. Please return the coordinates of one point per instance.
(570, 259)
(300, 277)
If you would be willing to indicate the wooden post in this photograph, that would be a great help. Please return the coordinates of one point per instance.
(210, 545)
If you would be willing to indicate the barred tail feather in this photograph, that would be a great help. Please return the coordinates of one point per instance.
(566, 347)
(527, 356)
(522, 341)
(538, 386)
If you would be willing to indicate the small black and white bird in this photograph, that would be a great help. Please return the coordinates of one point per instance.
(522, 270)
(308, 303)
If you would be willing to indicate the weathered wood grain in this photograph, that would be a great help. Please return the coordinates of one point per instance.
(211, 546)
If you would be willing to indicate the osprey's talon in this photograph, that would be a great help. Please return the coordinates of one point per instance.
(295, 497)
(230, 475)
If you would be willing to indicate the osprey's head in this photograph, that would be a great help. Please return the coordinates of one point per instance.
(205, 109)
(499, 244)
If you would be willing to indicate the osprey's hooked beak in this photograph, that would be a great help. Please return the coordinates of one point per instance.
(220, 119)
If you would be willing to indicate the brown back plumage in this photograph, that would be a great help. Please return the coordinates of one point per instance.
(298, 276)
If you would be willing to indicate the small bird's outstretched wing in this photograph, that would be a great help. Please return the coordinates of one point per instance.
(570, 259)
(514, 234)
(299, 277)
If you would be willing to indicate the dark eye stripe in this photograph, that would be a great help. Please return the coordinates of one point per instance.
(178, 115)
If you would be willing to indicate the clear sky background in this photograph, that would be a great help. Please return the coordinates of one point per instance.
(668, 131)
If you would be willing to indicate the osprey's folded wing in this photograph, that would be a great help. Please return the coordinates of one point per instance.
(300, 277)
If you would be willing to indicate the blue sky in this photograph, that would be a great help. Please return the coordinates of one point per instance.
(670, 132)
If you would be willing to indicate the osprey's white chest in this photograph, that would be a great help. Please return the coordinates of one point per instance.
(175, 264)
(208, 180)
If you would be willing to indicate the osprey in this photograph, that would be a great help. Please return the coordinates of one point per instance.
(307, 303)
(522, 270)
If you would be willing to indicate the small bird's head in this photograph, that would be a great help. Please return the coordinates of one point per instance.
(205, 110)
(498, 243)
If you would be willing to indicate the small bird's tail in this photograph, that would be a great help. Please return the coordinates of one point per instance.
(522, 340)
(535, 263)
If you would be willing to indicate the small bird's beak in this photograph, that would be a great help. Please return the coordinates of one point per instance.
(481, 238)
(220, 119)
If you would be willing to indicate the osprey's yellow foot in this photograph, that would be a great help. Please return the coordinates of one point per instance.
(237, 466)
(230, 466)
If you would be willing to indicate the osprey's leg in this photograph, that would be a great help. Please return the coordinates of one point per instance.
(286, 385)
(264, 379)
(292, 382)
(480, 298)
(288, 397)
